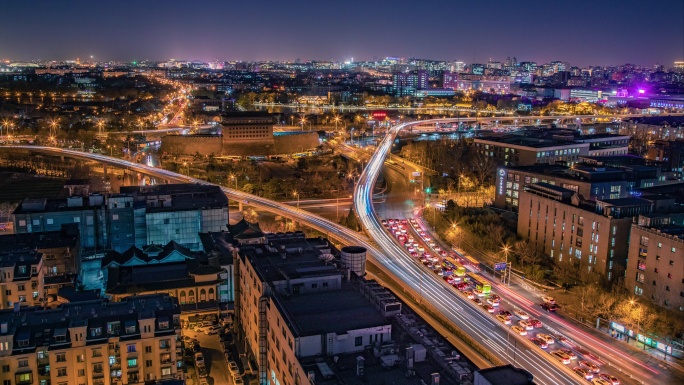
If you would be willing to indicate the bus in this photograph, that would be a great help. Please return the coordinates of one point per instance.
(481, 284)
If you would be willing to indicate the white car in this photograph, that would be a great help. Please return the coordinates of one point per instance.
(521, 314)
(519, 330)
(492, 302)
(199, 359)
(549, 300)
(525, 325)
(546, 338)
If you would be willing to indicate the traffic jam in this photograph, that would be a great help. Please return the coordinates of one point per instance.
(452, 268)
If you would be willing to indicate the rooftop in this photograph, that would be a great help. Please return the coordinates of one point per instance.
(332, 311)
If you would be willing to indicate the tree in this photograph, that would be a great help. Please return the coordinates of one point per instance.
(352, 222)
(483, 168)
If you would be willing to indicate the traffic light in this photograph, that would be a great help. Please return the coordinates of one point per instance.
(428, 190)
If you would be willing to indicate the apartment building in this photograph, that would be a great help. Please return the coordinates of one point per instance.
(21, 279)
(655, 268)
(92, 342)
(137, 216)
(294, 302)
(60, 253)
(591, 234)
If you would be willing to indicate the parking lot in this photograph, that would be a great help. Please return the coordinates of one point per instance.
(215, 361)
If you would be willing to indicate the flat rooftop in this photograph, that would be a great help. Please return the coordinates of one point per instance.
(332, 311)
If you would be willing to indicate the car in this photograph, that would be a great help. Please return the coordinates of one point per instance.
(608, 378)
(590, 366)
(212, 330)
(414, 254)
(549, 300)
(469, 294)
(583, 373)
(488, 307)
(233, 368)
(521, 314)
(535, 323)
(427, 255)
(506, 313)
(390, 221)
(495, 297)
(548, 307)
(404, 221)
(384, 222)
(569, 353)
(478, 293)
(563, 358)
(505, 320)
(524, 324)
(202, 372)
(478, 301)
(203, 381)
(599, 381)
(411, 249)
(199, 359)
(461, 286)
(492, 302)
(546, 338)
(443, 253)
(431, 243)
(238, 381)
(421, 248)
(539, 343)
(437, 248)
(519, 330)
(207, 323)
(196, 348)
(426, 238)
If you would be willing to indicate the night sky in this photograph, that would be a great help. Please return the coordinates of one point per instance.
(583, 32)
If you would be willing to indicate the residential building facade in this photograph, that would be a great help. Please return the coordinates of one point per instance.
(93, 342)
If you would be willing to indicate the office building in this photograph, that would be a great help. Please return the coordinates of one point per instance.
(295, 302)
(407, 83)
(655, 268)
(93, 342)
(591, 179)
(528, 147)
(503, 375)
(137, 216)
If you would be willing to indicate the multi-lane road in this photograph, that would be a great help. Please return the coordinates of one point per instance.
(393, 259)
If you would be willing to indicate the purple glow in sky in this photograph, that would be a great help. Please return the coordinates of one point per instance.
(582, 32)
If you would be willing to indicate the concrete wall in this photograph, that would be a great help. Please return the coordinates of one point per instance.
(190, 144)
(293, 143)
(208, 144)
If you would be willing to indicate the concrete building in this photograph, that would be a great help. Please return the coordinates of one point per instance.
(655, 268)
(242, 137)
(294, 302)
(61, 257)
(93, 342)
(592, 179)
(528, 147)
(407, 83)
(189, 276)
(566, 228)
(503, 375)
(670, 152)
(137, 216)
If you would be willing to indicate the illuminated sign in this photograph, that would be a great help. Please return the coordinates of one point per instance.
(502, 177)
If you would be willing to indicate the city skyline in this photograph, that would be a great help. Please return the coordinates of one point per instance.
(582, 34)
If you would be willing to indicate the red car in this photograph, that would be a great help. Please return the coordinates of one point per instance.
(535, 323)
(548, 307)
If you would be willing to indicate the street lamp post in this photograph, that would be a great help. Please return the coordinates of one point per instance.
(296, 193)
(507, 280)
(232, 177)
(633, 302)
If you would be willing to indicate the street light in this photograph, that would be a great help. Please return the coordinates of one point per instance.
(302, 121)
(506, 249)
(337, 120)
(633, 303)
(233, 177)
(296, 193)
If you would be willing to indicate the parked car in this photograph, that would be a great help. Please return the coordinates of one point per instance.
(199, 359)
(212, 330)
(233, 368)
